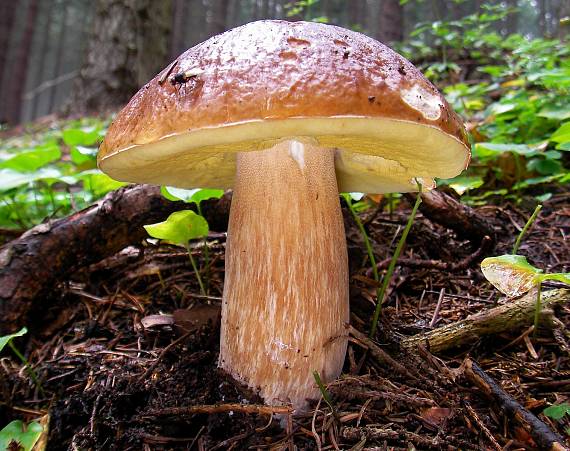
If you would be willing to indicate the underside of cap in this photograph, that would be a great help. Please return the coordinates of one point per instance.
(374, 155)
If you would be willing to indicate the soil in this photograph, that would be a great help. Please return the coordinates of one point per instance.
(109, 367)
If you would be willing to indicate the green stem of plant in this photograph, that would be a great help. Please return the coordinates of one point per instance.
(193, 262)
(537, 309)
(29, 368)
(367, 243)
(324, 392)
(526, 227)
(206, 255)
(392, 266)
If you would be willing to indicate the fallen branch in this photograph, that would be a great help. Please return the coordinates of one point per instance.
(507, 317)
(381, 434)
(34, 264)
(539, 431)
(220, 408)
(452, 214)
(440, 265)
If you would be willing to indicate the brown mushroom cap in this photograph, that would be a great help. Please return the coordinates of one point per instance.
(266, 81)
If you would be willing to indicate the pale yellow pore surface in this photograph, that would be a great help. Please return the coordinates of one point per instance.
(373, 155)
(285, 303)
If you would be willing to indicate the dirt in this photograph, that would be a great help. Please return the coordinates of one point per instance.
(109, 369)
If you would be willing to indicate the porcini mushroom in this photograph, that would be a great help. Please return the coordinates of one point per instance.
(287, 114)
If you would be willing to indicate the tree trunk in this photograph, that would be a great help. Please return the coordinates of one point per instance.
(48, 4)
(217, 16)
(19, 75)
(391, 21)
(265, 9)
(542, 26)
(353, 12)
(512, 18)
(7, 16)
(177, 42)
(128, 46)
(60, 48)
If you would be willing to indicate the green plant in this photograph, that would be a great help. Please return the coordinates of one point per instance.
(513, 93)
(7, 340)
(324, 392)
(195, 196)
(51, 172)
(179, 228)
(526, 227)
(20, 436)
(512, 275)
(558, 412)
(303, 8)
(390, 271)
(381, 291)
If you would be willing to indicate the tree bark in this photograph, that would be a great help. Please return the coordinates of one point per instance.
(391, 21)
(33, 265)
(19, 75)
(128, 46)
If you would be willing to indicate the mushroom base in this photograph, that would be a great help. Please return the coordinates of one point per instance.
(285, 303)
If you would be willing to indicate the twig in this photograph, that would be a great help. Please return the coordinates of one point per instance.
(471, 412)
(461, 265)
(437, 308)
(379, 354)
(162, 354)
(539, 431)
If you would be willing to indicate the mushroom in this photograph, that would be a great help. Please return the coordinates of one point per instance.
(287, 114)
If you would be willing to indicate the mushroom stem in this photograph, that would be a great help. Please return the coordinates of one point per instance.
(285, 303)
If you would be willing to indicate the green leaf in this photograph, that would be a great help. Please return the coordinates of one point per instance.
(562, 135)
(463, 183)
(544, 166)
(511, 274)
(495, 148)
(32, 160)
(190, 195)
(563, 277)
(557, 411)
(354, 196)
(179, 228)
(79, 137)
(557, 112)
(24, 435)
(7, 338)
(81, 154)
(10, 179)
(99, 183)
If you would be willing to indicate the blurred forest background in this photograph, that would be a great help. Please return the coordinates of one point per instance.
(84, 55)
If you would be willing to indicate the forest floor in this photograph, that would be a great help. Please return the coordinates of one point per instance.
(110, 367)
